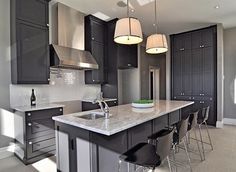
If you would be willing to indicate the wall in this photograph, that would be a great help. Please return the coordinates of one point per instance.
(230, 73)
(146, 61)
(5, 73)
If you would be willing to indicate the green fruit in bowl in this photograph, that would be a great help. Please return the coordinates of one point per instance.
(144, 101)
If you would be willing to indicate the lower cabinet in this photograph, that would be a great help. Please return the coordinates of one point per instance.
(35, 135)
(80, 150)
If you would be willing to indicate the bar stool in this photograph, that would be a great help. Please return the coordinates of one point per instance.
(202, 121)
(193, 124)
(180, 136)
(150, 156)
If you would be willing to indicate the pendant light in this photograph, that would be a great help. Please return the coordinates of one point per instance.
(128, 30)
(156, 43)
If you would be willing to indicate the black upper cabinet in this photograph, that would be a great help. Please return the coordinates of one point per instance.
(34, 11)
(182, 42)
(29, 42)
(95, 43)
(127, 56)
(203, 38)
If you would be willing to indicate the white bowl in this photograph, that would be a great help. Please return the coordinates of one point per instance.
(145, 105)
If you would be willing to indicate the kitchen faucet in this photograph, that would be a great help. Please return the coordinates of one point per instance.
(103, 105)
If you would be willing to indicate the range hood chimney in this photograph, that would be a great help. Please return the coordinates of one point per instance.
(67, 50)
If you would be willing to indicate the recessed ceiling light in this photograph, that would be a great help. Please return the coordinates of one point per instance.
(217, 7)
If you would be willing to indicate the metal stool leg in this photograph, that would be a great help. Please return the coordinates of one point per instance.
(186, 151)
(203, 149)
(195, 133)
(174, 158)
(168, 160)
(209, 137)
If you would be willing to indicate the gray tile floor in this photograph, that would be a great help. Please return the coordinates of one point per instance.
(221, 159)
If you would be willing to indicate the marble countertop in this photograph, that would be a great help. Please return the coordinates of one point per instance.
(122, 117)
(105, 99)
(37, 107)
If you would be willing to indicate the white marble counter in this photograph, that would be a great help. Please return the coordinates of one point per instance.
(37, 107)
(123, 117)
(105, 99)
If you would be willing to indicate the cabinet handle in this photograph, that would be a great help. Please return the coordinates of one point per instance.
(48, 79)
(114, 102)
(211, 99)
(202, 102)
(200, 46)
(92, 38)
(193, 98)
(174, 97)
(29, 114)
(30, 143)
(189, 98)
(93, 80)
(60, 110)
(48, 25)
(203, 46)
(129, 65)
(29, 124)
(183, 94)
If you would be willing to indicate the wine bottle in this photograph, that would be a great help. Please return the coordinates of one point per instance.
(33, 98)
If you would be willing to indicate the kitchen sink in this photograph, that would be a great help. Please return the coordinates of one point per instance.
(92, 116)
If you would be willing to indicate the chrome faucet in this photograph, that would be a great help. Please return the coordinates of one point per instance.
(103, 105)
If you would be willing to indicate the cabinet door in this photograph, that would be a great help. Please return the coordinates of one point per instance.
(207, 37)
(96, 76)
(178, 42)
(196, 72)
(196, 39)
(34, 11)
(177, 73)
(33, 54)
(187, 73)
(208, 71)
(127, 56)
(139, 133)
(97, 31)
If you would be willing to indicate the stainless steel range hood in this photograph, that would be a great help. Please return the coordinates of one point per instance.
(67, 50)
(64, 57)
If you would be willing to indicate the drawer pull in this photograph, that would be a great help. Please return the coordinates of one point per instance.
(29, 114)
(30, 143)
(29, 124)
(60, 110)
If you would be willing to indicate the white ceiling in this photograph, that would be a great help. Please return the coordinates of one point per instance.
(174, 15)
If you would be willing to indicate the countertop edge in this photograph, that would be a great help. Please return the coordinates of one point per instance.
(107, 133)
(40, 107)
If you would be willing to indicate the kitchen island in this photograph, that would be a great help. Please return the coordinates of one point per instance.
(94, 145)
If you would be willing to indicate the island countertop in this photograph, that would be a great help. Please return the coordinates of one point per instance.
(122, 117)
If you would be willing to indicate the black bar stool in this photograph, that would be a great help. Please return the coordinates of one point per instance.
(148, 155)
(202, 121)
(193, 124)
(180, 136)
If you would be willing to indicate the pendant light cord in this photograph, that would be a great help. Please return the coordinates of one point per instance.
(128, 18)
(156, 14)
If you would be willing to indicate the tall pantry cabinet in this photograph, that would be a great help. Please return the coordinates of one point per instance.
(194, 56)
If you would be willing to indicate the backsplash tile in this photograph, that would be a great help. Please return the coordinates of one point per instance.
(65, 85)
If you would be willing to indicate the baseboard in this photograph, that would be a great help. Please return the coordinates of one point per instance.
(6, 152)
(219, 124)
(229, 121)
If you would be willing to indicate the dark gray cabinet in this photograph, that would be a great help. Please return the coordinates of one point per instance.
(33, 11)
(35, 134)
(95, 43)
(127, 56)
(194, 69)
(29, 42)
(139, 133)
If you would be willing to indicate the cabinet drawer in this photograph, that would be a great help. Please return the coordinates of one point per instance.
(42, 114)
(38, 128)
(36, 148)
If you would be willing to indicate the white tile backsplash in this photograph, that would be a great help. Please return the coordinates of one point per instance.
(65, 85)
